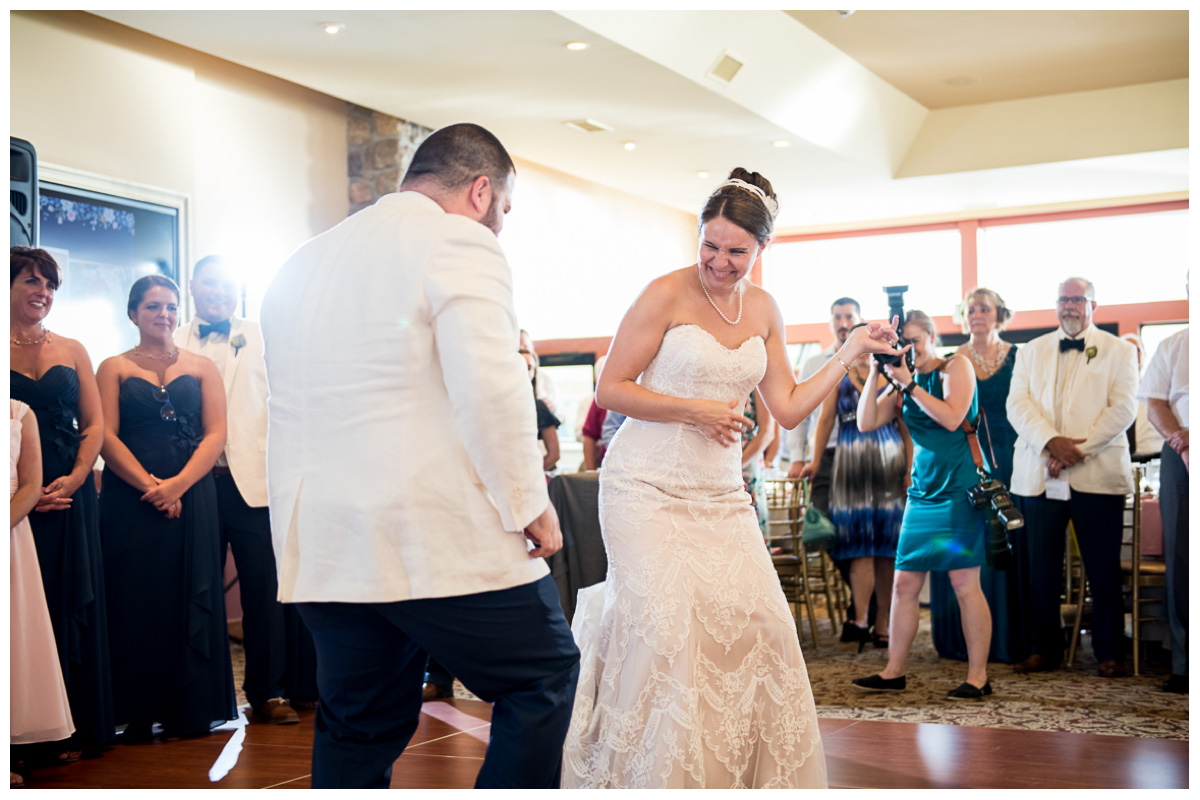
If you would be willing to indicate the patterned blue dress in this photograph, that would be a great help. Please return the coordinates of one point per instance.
(866, 497)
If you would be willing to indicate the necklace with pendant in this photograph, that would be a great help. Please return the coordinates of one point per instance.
(714, 305)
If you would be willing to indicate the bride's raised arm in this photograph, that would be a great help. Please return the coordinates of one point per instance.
(637, 340)
(792, 402)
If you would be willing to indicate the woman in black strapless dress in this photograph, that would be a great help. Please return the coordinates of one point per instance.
(164, 414)
(53, 376)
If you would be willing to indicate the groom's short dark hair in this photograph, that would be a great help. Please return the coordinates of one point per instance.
(454, 156)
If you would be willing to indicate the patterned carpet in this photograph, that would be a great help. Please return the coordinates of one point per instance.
(1074, 699)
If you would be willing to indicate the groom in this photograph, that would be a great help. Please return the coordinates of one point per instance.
(397, 503)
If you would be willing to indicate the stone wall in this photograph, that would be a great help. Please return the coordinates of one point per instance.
(378, 150)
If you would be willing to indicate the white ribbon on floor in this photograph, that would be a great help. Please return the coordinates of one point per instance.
(229, 753)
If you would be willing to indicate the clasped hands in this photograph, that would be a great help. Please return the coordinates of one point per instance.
(166, 496)
(1064, 452)
(56, 495)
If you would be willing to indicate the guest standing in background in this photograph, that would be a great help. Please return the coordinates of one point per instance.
(544, 387)
(984, 316)
(547, 423)
(866, 499)
(164, 414)
(1165, 390)
(942, 530)
(1144, 441)
(281, 662)
(593, 428)
(53, 376)
(1072, 397)
(37, 699)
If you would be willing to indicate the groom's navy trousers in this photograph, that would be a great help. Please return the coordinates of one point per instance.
(511, 647)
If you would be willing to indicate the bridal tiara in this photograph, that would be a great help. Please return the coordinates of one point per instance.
(769, 202)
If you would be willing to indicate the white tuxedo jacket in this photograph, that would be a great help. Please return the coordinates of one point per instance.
(402, 456)
(245, 377)
(1100, 406)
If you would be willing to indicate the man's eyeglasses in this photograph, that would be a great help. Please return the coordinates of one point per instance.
(1073, 300)
(167, 412)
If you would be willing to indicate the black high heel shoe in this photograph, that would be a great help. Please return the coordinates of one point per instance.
(857, 634)
(880, 642)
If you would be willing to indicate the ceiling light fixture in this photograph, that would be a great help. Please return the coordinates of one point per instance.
(577, 45)
(629, 145)
(781, 143)
(702, 174)
(332, 27)
(587, 125)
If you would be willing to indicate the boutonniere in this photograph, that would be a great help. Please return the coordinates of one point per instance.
(1091, 353)
(239, 341)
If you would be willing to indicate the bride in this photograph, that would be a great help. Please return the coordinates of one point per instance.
(691, 671)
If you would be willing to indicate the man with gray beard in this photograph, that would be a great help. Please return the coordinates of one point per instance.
(1071, 399)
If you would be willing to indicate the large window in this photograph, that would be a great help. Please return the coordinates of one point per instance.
(806, 276)
(1132, 258)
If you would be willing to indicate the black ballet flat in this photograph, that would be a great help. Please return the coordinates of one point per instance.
(968, 691)
(876, 683)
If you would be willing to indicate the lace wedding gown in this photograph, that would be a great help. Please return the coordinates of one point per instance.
(691, 672)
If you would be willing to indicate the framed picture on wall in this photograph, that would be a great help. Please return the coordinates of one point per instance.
(105, 234)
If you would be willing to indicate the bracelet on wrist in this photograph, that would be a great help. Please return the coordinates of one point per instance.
(843, 363)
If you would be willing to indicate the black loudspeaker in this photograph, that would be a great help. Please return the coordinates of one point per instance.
(22, 194)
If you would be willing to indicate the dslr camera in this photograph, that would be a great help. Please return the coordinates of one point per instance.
(896, 309)
(992, 495)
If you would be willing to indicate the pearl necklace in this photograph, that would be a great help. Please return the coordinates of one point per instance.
(162, 357)
(17, 340)
(714, 305)
(986, 364)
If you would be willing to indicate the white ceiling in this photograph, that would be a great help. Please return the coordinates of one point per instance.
(854, 96)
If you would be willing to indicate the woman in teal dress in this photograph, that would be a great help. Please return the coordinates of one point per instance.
(984, 316)
(942, 531)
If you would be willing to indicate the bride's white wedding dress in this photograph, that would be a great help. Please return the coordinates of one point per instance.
(691, 672)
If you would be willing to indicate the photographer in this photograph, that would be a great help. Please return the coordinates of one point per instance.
(941, 530)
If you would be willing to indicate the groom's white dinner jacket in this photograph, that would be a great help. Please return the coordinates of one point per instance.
(245, 378)
(402, 454)
(1100, 405)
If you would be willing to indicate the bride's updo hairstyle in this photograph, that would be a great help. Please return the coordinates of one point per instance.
(744, 206)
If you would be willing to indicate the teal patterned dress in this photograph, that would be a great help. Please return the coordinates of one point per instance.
(941, 529)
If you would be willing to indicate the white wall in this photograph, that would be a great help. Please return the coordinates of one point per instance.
(262, 161)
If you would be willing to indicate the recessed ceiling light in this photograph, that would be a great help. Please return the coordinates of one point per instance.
(577, 45)
(332, 27)
(701, 174)
(781, 143)
(629, 145)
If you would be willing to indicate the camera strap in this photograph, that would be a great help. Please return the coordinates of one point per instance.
(973, 443)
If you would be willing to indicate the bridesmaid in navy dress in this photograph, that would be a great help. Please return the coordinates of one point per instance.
(53, 376)
(164, 414)
(984, 316)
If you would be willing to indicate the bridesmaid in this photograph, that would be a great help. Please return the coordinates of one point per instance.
(164, 414)
(984, 316)
(38, 707)
(53, 376)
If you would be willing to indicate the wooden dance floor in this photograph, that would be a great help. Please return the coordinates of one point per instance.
(449, 746)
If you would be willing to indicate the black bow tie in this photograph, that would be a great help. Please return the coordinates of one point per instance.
(216, 327)
(1063, 344)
